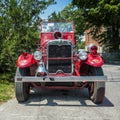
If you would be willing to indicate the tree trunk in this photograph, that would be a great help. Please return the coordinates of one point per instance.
(116, 37)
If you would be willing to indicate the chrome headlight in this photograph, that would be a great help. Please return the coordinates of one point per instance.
(82, 55)
(92, 47)
(37, 55)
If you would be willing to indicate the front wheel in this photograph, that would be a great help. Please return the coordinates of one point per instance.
(22, 90)
(96, 89)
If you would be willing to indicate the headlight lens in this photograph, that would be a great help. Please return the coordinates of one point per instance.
(37, 55)
(82, 55)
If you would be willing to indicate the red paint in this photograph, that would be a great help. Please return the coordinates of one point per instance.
(59, 87)
(46, 37)
(59, 58)
(77, 68)
(65, 74)
(25, 60)
(94, 60)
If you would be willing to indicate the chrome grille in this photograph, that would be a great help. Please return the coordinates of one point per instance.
(60, 58)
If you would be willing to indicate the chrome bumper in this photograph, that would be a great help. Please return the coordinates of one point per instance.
(61, 79)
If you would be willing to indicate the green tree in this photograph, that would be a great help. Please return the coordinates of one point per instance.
(104, 13)
(55, 16)
(70, 13)
(19, 24)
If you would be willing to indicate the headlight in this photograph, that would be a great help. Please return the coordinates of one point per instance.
(37, 55)
(82, 55)
(92, 47)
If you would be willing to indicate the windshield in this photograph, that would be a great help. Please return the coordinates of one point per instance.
(57, 26)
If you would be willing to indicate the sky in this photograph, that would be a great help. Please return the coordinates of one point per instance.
(57, 7)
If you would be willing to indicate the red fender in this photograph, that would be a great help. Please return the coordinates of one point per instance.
(25, 60)
(77, 68)
(94, 60)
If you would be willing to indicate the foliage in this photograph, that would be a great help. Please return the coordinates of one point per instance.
(19, 21)
(104, 13)
(6, 91)
(70, 13)
(81, 45)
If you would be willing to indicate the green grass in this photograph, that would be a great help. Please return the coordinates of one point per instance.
(6, 91)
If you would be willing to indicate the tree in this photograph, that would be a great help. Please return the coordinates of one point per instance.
(55, 16)
(104, 13)
(70, 13)
(19, 21)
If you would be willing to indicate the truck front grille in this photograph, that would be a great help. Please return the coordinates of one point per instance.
(59, 58)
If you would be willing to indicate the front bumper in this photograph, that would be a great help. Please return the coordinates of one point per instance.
(61, 79)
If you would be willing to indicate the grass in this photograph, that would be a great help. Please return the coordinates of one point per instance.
(6, 91)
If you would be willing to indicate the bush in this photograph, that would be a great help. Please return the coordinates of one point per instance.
(6, 91)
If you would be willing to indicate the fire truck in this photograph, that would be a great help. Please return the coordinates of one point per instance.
(56, 64)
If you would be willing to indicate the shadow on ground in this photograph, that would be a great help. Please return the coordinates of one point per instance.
(64, 98)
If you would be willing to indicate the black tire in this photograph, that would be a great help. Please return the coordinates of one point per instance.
(97, 89)
(22, 90)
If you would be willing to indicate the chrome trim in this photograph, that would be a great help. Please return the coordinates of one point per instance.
(60, 42)
(41, 69)
(61, 79)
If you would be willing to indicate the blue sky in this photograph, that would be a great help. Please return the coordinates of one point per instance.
(57, 7)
